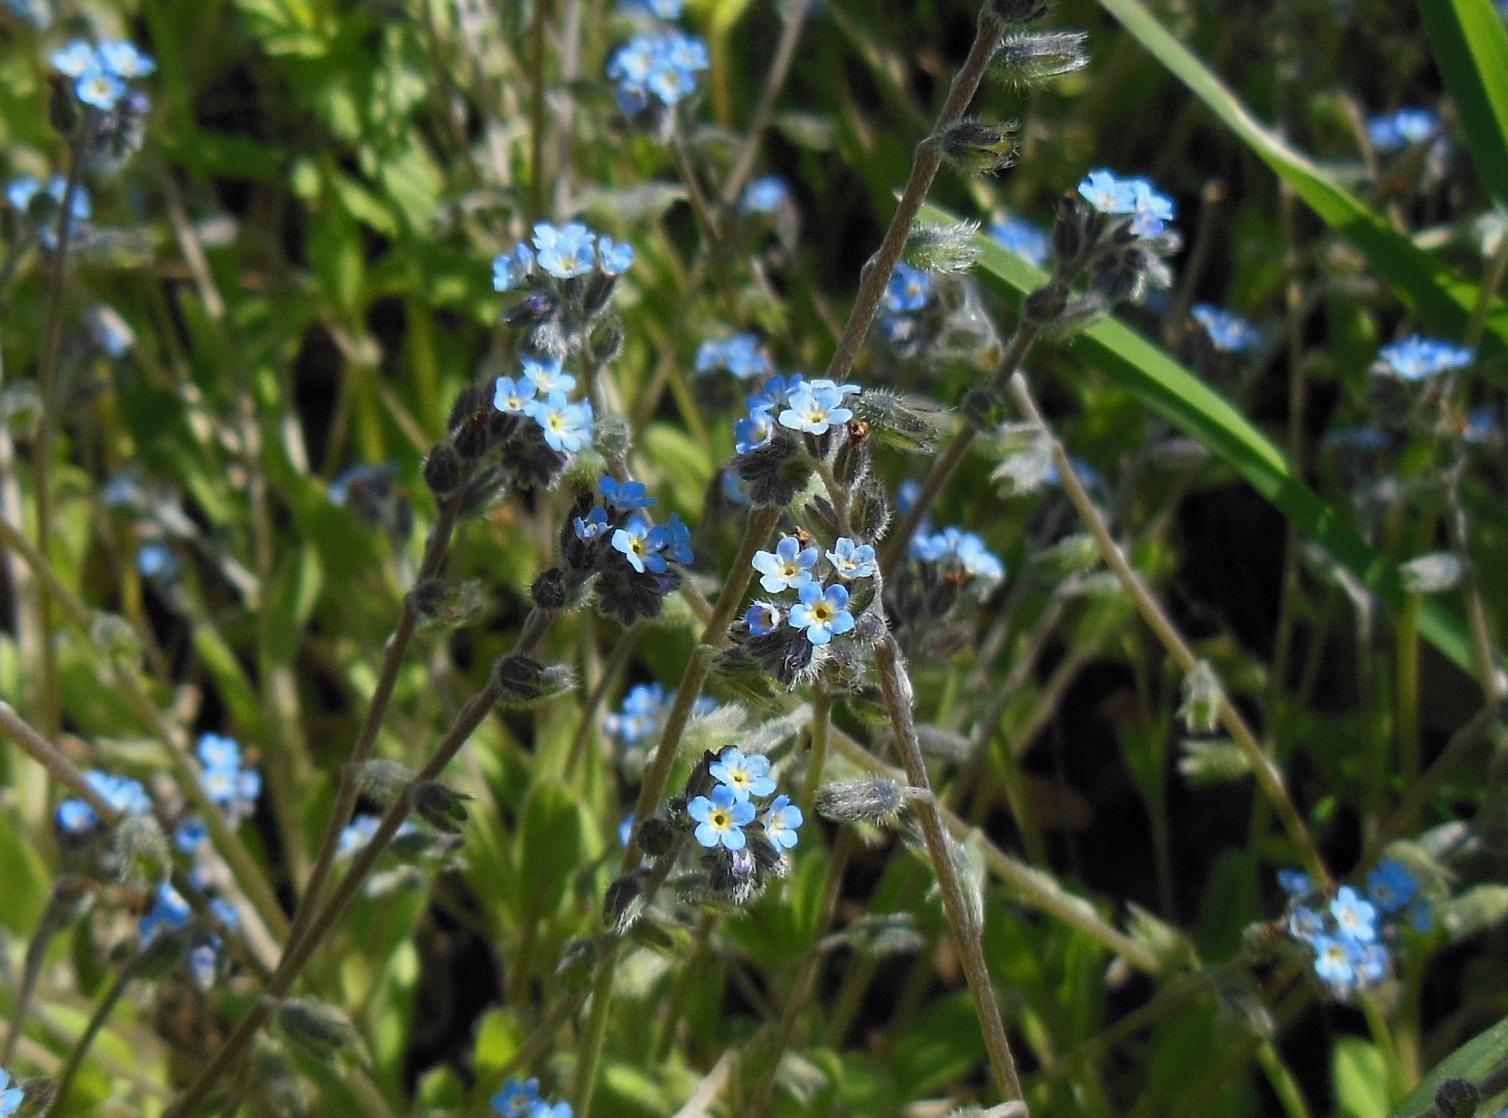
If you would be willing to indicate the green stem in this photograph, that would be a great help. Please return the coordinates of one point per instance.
(822, 709)
(896, 689)
(76, 1057)
(1407, 687)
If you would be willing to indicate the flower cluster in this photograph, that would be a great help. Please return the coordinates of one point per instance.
(520, 1098)
(227, 781)
(1390, 132)
(1228, 333)
(1149, 210)
(657, 70)
(722, 815)
(1349, 934)
(959, 555)
(743, 355)
(931, 599)
(635, 562)
(100, 73)
(76, 817)
(1419, 358)
(540, 394)
(770, 454)
(562, 253)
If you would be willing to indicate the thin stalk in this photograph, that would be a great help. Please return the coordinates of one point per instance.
(1283, 1084)
(822, 710)
(764, 1092)
(1404, 817)
(13, 726)
(76, 1056)
(50, 705)
(538, 49)
(65, 894)
(876, 273)
(675, 1005)
(1407, 688)
(366, 738)
(1269, 776)
(896, 690)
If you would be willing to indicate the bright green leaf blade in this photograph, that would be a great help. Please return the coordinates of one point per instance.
(1180, 397)
(1360, 1078)
(1441, 296)
(1471, 50)
(1484, 1053)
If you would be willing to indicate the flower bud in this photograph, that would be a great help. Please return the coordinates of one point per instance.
(975, 147)
(382, 780)
(942, 249)
(518, 678)
(1432, 573)
(874, 800)
(655, 836)
(1200, 710)
(444, 470)
(1030, 57)
(442, 808)
(1457, 1098)
(618, 906)
(551, 589)
(320, 1028)
(1045, 304)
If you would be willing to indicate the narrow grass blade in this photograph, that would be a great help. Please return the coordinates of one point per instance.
(1471, 51)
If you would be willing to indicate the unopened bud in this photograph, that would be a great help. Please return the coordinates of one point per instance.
(442, 808)
(618, 905)
(942, 249)
(517, 677)
(322, 1029)
(655, 836)
(874, 800)
(982, 407)
(444, 471)
(1030, 57)
(1432, 573)
(1457, 1098)
(611, 435)
(1045, 304)
(577, 962)
(382, 780)
(1202, 696)
(551, 590)
(980, 148)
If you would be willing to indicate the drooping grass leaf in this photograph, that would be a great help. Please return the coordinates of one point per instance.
(1471, 50)
(1437, 293)
(1175, 393)
(1484, 1053)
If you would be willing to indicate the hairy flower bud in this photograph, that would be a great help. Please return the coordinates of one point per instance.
(1202, 696)
(1030, 57)
(322, 1029)
(1045, 304)
(1457, 1098)
(655, 836)
(551, 590)
(942, 249)
(979, 148)
(442, 808)
(444, 470)
(874, 800)
(517, 677)
(382, 780)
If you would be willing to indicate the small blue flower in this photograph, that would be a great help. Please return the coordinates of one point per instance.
(640, 543)
(546, 376)
(815, 408)
(661, 66)
(763, 618)
(776, 393)
(10, 1097)
(356, 834)
(157, 561)
(1391, 132)
(515, 397)
(1106, 193)
(955, 548)
(1390, 886)
(677, 541)
(1017, 235)
(564, 252)
(567, 426)
(74, 60)
(1335, 960)
(742, 355)
(189, 835)
(217, 752)
(1229, 333)
(764, 196)
(745, 776)
(781, 822)
(1305, 924)
(636, 718)
(721, 818)
(626, 829)
(852, 561)
(907, 290)
(123, 60)
(752, 432)
(1295, 883)
(614, 258)
(510, 269)
(1416, 357)
(627, 496)
(169, 910)
(1356, 918)
(1136, 197)
(202, 961)
(593, 527)
(100, 89)
(822, 614)
(788, 567)
(517, 1099)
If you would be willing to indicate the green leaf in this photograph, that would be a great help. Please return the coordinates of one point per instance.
(1471, 50)
(1168, 388)
(550, 850)
(1441, 296)
(290, 600)
(1361, 1079)
(1483, 1053)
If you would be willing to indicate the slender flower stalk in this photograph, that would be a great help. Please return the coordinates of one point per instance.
(897, 697)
